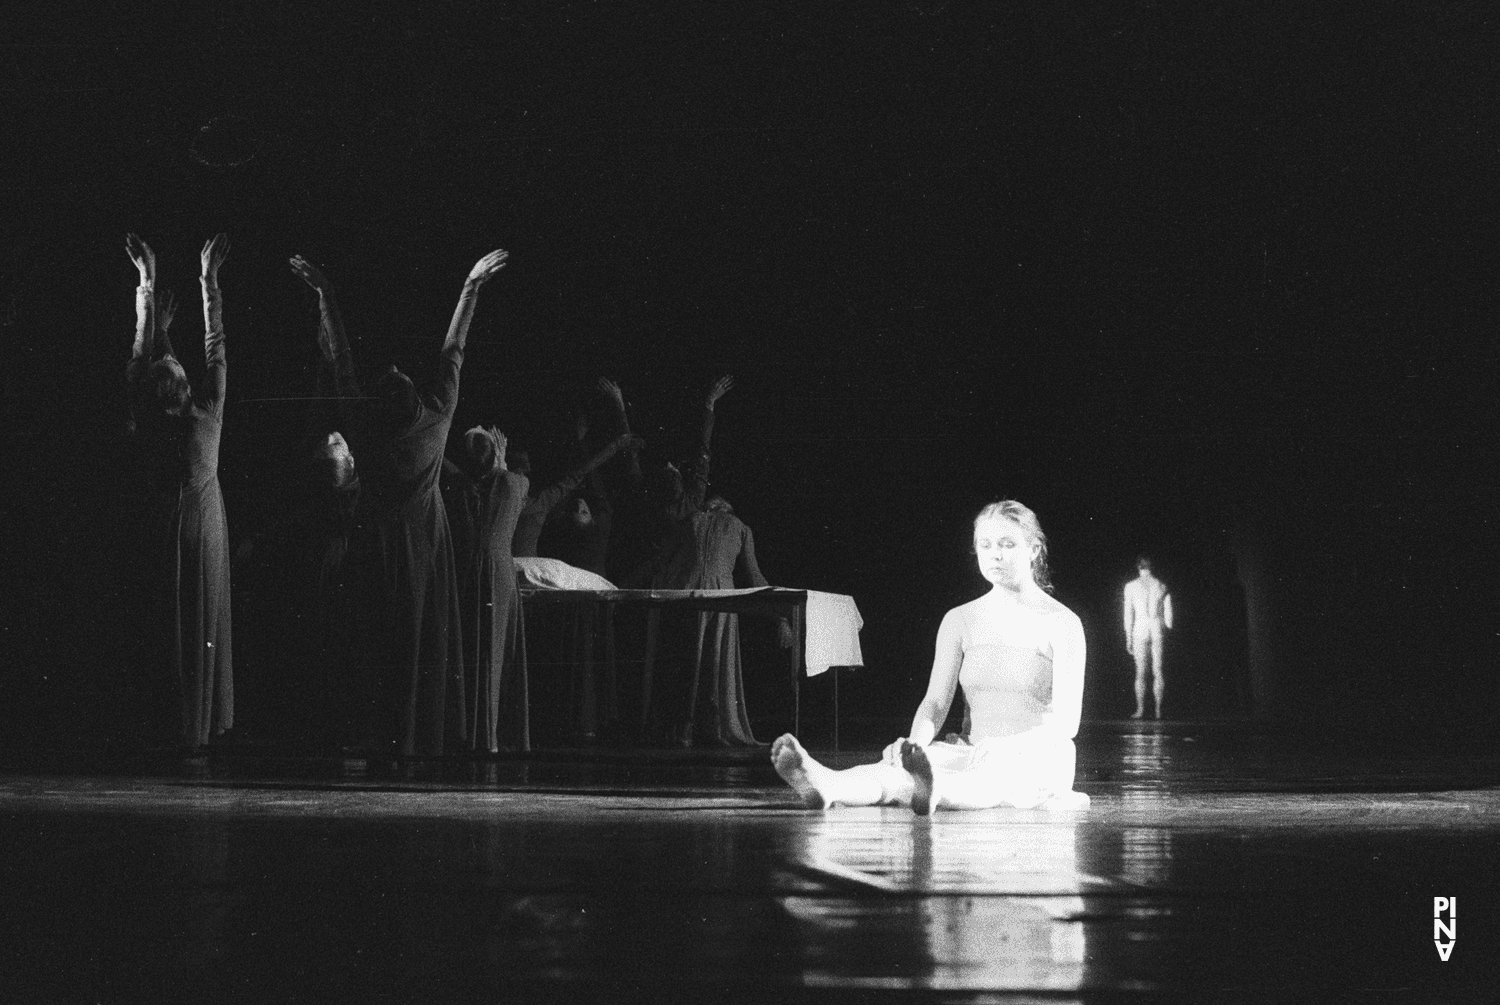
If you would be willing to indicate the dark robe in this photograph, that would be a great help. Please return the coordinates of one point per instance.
(298, 581)
(492, 604)
(189, 531)
(725, 552)
(401, 560)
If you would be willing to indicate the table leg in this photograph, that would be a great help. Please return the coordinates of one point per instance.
(525, 684)
(797, 624)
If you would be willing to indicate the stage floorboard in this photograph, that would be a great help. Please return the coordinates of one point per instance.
(1214, 864)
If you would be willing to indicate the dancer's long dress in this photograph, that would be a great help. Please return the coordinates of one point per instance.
(191, 535)
(724, 546)
(1009, 692)
(401, 557)
(496, 602)
(326, 615)
(401, 562)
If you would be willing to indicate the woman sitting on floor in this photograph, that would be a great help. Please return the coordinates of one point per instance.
(1019, 655)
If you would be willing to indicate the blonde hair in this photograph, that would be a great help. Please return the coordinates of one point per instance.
(1022, 516)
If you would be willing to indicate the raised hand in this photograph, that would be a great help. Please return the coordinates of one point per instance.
(213, 255)
(500, 444)
(309, 274)
(720, 388)
(488, 266)
(166, 309)
(612, 389)
(141, 254)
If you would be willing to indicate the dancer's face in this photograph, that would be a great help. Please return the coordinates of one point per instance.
(582, 517)
(1004, 552)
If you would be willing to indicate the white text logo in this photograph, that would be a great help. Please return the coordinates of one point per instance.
(1444, 929)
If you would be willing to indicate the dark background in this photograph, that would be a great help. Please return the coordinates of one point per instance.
(1214, 283)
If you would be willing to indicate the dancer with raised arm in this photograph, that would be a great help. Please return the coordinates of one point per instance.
(540, 504)
(675, 498)
(581, 538)
(1019, 656)
(1148, 615)
(180, 430)
(290, 576)
(401, 553)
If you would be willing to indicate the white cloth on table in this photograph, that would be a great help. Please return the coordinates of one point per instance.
(833, 625)
(555, 574)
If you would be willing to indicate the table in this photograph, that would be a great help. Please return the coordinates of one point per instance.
(776, 601)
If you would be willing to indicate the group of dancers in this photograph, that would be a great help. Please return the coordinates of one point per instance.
(402, 560)
(388, 593)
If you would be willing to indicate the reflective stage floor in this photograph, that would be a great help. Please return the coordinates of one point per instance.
(1213, 865)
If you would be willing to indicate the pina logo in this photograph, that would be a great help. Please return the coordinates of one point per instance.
(1444, 929)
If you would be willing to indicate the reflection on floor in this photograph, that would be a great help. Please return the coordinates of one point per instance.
(1213, 865)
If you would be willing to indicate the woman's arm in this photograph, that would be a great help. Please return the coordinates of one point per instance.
(543, 501)
(633, 477)
(1069, 653)
(333, 341)
(458, 328)
(166, 310)
(747, 569)
(214, 252)
(1166, 610)
(145, 300)
(943, 683)
(745, 565)
(695, 477)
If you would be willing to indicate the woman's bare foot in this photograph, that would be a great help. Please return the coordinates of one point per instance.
(914, 760)
(797, 768)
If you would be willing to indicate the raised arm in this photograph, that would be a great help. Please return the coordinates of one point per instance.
(458, 328)
(214, 252)
(166, 310)
(633, 476)
(145, 300)
(695, 480)
(333, 341)
(555, 493)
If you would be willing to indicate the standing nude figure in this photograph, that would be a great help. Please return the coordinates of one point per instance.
(1148, 615)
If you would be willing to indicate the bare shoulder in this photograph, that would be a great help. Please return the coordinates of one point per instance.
(1058, 613)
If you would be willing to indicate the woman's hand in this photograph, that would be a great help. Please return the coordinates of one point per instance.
(721, 386)
(487, 267)
(500, 444)
(612, 389)
(213, 255)
(144, 258)
(630, 441)
(310, 274)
